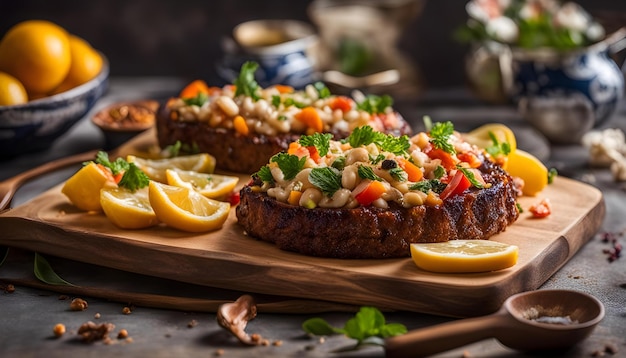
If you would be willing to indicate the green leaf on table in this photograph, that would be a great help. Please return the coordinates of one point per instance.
(45, 273)
(319, 327)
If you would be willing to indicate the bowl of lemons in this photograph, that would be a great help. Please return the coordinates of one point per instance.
(49, 80)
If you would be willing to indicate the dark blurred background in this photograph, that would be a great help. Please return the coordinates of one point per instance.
(182, 38)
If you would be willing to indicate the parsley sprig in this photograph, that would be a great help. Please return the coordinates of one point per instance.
(133, 178)
(289, 164)
(366, 135)
(368, 326)
(326, 179)
(245, 82)
(320, 141)
(374, 104)
(440, 134)
(497, 148)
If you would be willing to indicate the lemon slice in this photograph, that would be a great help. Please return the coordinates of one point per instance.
(464, 256)
(481, 137)
(186, 209)
(213, 186)
(527, 167)
(155, 168)
(83, 188)
(126, 209)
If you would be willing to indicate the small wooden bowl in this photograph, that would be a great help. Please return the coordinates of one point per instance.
(122, 121)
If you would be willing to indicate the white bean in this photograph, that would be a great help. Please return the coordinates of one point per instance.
(357, 155)
(350, 177)
(227, 105)
(310, 197)
(338, 200)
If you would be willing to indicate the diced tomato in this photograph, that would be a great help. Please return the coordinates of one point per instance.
(414, 173)
(469, 158)
(368, 191)
(341, 102)
(234, 198)
(541, 209)
(447, 161)
(457, 185)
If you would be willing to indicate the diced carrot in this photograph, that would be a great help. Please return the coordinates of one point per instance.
(297, 149)
(294, 197)
(311, 118)
(341, 102)
(284, 88)
(447, 161)
(414, 173)
(469, 158)
(373, 190)
(240, 125)
(195, 87)
(314, 154)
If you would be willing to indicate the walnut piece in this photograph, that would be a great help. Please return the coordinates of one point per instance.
(91, 332)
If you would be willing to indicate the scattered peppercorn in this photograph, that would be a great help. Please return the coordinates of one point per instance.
(615, 252)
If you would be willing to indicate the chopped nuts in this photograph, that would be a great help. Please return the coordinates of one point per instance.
(9, 288)
(58, 330)
(91, 332)
(192, 323)
(126, 310)
(78, 304)
(97, 315)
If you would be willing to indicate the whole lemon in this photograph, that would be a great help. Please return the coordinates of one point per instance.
(37, 53)
(86, 63)
(11, 90)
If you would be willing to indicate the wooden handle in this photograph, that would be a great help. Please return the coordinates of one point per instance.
(440, 338)
(9, 187)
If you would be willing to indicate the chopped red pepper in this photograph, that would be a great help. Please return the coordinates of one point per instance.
(313, 153)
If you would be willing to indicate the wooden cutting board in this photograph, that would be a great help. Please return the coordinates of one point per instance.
(229, 259)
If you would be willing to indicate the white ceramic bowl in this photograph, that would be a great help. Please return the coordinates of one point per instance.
(34, 126)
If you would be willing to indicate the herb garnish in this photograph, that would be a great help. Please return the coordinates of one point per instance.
(365, 135)
(133, 178)
(245, 83)
(552, 173)
(440, 134)
(398, 174)
(497, 148)
(199, 100)
(327, 179)
(427, 185)
(289, 164)
(470, 176)
(368, 326)
(320, 141)
(366, 172)
(439, 172)
(322, 90)
(265, 174)
(375, 104)
(339, 163)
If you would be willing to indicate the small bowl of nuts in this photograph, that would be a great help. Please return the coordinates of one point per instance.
(122, 121)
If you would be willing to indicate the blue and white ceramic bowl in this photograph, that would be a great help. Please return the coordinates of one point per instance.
(280, 47)
(34, 126)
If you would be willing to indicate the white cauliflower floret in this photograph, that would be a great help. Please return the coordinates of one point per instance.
(607, 148)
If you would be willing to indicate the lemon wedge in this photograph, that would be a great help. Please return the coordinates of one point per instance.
(186, 209)
(83, 188)
(464, 256)
(527, 167)
(155, 168)
(213, 186)
(126, 209)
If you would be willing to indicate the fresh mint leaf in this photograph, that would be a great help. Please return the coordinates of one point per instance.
(321, 141)
(327, 179)
(245, 82)
(289, 164)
